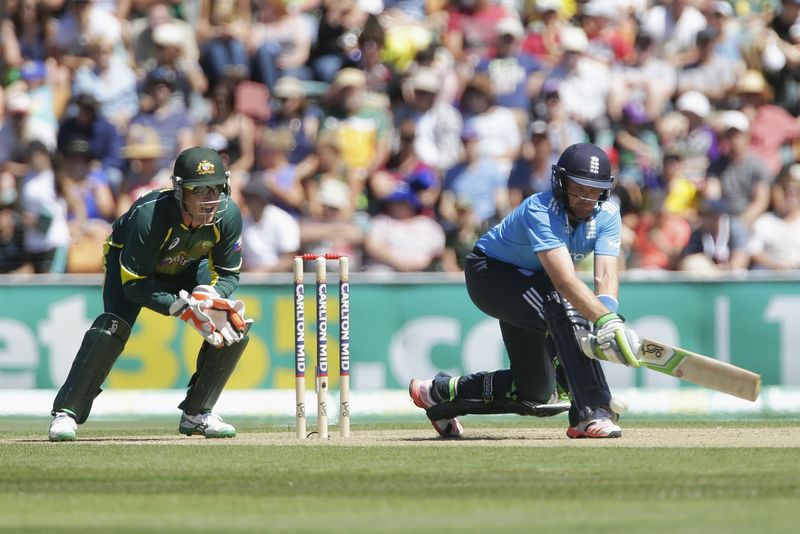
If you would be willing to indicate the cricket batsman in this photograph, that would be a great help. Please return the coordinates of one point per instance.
(554, 326)
(178, 252)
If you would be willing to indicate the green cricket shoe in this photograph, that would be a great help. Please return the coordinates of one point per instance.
(62, 428)
(208, 425)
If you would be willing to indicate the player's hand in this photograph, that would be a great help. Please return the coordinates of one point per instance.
(194, 312)
(614, 341)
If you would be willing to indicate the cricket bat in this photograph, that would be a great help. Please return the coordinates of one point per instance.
(700, 370)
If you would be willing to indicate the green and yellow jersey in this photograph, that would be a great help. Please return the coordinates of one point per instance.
(156, 248)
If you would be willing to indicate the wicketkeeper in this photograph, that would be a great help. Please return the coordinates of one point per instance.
(178, 252)
(554, 326)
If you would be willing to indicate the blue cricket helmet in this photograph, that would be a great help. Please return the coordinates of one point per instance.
(585, 164)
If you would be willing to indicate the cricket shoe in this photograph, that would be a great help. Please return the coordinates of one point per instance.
(601, 424)
(420, 392)
(206, 424)
(63, 427)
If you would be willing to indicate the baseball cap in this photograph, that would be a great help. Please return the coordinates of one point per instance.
(161, 75)
(200, 166)
(425, 79)
(288, 87)
(168, 34)
(634, 112)
(334, 194)
(573, 39)
(694, 102)
(258, 189)
(403, 193)
(350, 77)
(32, 70)
(734, 120)
(509, 26)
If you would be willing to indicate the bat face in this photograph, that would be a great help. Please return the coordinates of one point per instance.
(699, 369)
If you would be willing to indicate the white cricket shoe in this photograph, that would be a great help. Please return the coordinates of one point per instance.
(420, 393)
(206, 424)
(601, 424)
(63, 427)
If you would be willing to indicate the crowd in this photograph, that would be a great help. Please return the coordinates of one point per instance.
(397, 131)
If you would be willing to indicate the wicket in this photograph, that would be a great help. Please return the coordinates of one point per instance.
(321, 371)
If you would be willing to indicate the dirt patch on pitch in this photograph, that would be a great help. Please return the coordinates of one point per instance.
(708, 437)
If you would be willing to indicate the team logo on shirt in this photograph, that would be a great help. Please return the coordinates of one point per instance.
(594, 165)
(591, 229)
(174, 243)
(205, 167)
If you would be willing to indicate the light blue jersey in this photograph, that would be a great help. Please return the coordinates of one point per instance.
(540, 223)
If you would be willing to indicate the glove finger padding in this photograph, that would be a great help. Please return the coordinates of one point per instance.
(194, 312)
(615, 342)
(234, 310)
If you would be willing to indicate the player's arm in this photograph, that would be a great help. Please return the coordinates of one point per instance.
(225, 259)
(561, 271)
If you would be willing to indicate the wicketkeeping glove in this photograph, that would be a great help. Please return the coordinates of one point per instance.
(614, 341)
(193, 310)
(227, 315)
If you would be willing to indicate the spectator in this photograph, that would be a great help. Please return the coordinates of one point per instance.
(562, 129)
(498, 134)
(609, 42)
(279, 43)
(743, 179)
(334, 229)
(166, 115)
(674, 25)
(142, 151)
(510, 69)
(89, 185)
(222, 33)
(278, 175)
(437, 125)
(477, 181)
(773, 130)
(637, 147)
(682, 194)
(400, 239)
(661, 237)
(237, 129)
(11, 229)
(719, 244)
(327, 166)
(544, 35)
(42, 93)
(110, 81)
(292, 110)
(697, 143)
(82, 23)
(711, 74)
(369, 56)
(143, 30)
(336, 42)
(776, 236)
(105, 142)
(470, 29)
(531, 173)
(44, 213)
(191, 82)
(460, 237)
(270, 235)
(20, 128)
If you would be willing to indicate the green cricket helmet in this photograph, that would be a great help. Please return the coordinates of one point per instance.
(201, 167)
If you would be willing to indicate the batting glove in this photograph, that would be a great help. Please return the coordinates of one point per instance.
(614, 341)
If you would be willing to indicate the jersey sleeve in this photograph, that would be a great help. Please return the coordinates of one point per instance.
(609, 232)
(542, 230)
(225, 258)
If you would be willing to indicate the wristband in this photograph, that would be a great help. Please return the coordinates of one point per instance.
(609, 302)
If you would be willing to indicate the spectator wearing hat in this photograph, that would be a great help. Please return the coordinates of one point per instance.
(80, 171)
(477, 180)
(280, 177)
(531, 172)
(562, 129)
(105, 142)
(333, 228)
(740, 176)
(142, 152)
(638, 147)
(776, 235)
(510, 69)
(405, 167)
(696, 141)
(279, 43)
(721, 17)
(42, 93)
(44, 212)
(237, 128)
(711, 74)
(719, 244)
(609, 41)
(362, 125)
(496, 127)
(83, 22)
(270, 235)
(542, 41)
(169, 42)
(166, 115)
(773, 130)
(222, 33)
(437, 125)
(292, 110)
(583, 86)
(143, 37)
(110, 81)
(401, 239)
(643, 77)
(19, 128)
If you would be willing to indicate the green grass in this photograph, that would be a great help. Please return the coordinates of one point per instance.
(112, 486)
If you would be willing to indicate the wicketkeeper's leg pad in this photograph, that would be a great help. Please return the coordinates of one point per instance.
(102, 345)
(214, 368)
(587, 383)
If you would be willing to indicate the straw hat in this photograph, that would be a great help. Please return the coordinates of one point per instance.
(142, 143)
